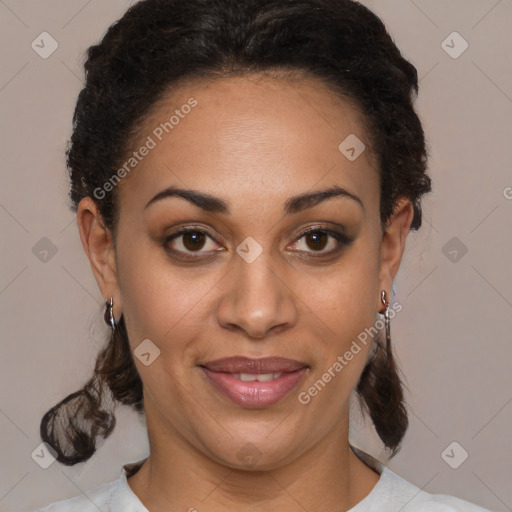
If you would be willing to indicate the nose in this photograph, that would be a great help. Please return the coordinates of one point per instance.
(259, 300)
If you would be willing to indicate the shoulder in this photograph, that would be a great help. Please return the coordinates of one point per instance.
(446, 503)
(96, 499)
(411, 498)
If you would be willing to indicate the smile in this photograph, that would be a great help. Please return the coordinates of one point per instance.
(254, 390)
(260, 377)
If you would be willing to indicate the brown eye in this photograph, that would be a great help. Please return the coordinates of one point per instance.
(194, 240)
(316, 240)
(190, 241)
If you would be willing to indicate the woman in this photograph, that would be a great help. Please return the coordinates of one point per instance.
(245, 175)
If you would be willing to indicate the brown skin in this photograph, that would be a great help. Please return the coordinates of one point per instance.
(253, 144)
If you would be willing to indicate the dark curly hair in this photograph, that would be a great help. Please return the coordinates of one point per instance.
(160, 44)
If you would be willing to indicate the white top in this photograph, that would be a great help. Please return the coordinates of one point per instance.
(390, 494)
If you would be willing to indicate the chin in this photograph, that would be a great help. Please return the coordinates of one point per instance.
(258, 453)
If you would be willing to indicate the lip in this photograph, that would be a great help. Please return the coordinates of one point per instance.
(254, 394)
(242, 364)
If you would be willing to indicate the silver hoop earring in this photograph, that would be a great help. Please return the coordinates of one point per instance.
(109, 314)
(386, 317)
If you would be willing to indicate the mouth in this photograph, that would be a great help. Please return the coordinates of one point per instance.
(260, 377)
(254, 383)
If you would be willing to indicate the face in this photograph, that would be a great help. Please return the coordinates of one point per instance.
(236, 274)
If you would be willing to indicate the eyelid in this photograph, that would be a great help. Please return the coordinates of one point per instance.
(330, 231)
(190, 229)
(340, 236)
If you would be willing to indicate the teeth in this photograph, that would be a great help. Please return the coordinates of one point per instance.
(260, 377)
(264, 377)
(248, 377)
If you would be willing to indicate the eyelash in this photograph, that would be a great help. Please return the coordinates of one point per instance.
(341, 238)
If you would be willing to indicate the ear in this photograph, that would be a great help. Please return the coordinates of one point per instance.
(98, 245)
(393, 245)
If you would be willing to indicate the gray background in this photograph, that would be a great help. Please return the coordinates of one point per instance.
(452, 337)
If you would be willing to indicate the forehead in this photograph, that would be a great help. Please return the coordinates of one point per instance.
(251, 135)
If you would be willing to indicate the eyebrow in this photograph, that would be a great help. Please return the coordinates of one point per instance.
(293, 205)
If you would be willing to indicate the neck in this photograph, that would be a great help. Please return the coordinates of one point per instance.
(327, 477)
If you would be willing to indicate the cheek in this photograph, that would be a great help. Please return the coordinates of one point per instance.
(159, 306)
(161, 302)
(346, 298)
(344, 309)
